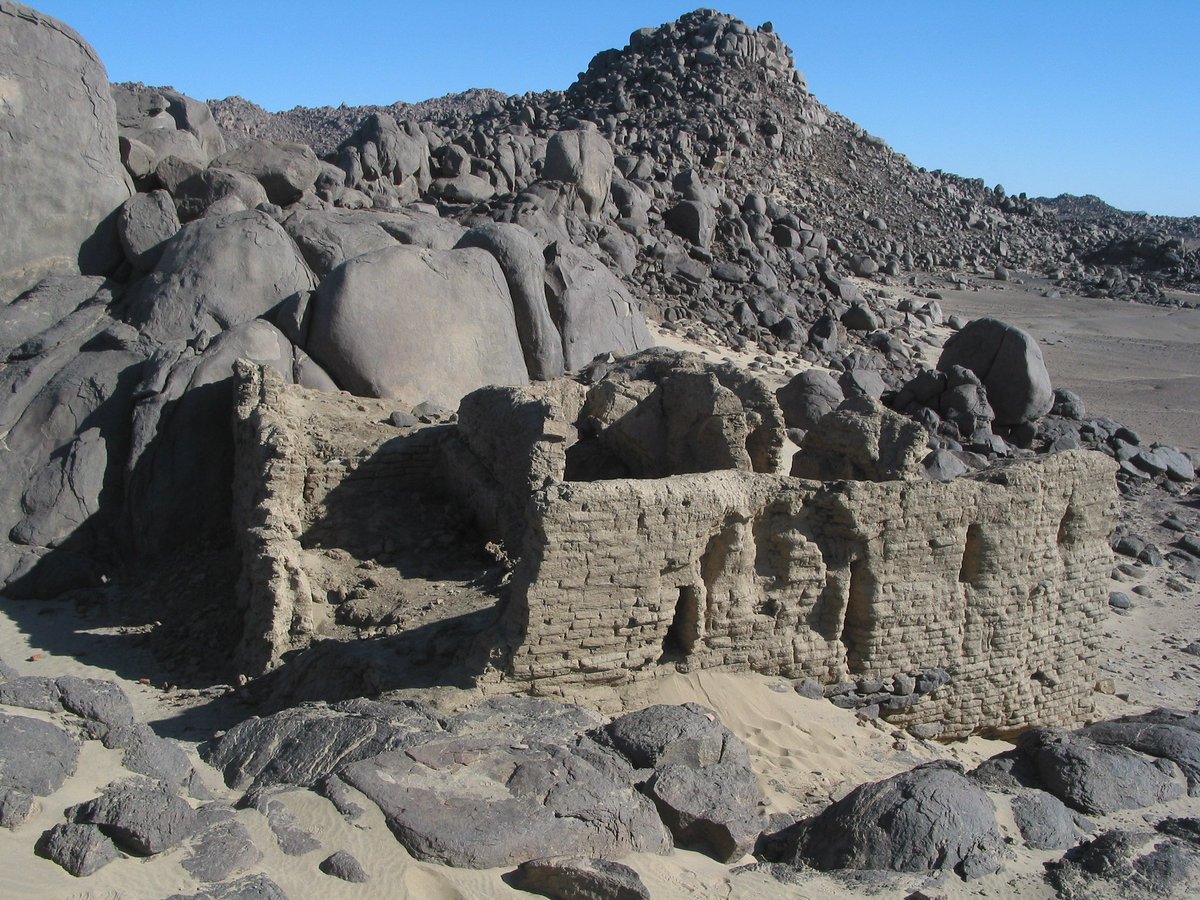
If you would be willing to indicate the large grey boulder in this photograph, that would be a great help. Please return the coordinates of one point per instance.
(141, 816)
(808, 397)
(1009, 363)
(1164, 733)
(212, 191)
(146, 223)
(327, 238)
(285, 171)
(692, 221)
(702, 783)
(35, 756)
(65, 414)
(519, 254)
(1044, 821)
(216, 273)
(61, 179)
(593, 311)
(415, 325)
(584, 160)
(1098, 778)
(929, 818)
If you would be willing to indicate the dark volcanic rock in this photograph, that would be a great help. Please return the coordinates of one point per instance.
(100, 702)
(301, 746)
(216, 273)
(1167, 734)
(17, 807)
(142, 817)
(35, 756)
(61, 180)
(931, 817)
(343, 865)
(223, 849)
(808, 397)
(702, 783)
(1009, 363)
(80, 849)
(1128, 865)
(486, 801)
(1044, 821)
(577, 878)
(291, 837)
(449, 332)
(519, 254)
(1099, 778)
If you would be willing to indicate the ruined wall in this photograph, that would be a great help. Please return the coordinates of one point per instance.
(998, 580)
(323, 490)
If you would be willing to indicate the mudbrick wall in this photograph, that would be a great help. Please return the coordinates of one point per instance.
(325, 489)
(996, 580)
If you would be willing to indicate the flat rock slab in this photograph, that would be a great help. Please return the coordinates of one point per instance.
(487, 801)
(303, 745)
(35, 756)
(220, 851)
(578, 878)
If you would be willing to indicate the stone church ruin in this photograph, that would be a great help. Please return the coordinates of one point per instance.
(649, 529)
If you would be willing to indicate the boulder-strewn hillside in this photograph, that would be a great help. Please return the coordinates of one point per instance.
(711, 94)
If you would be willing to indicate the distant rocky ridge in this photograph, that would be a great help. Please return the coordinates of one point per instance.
(324, 127)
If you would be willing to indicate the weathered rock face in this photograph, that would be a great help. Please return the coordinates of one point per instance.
(701, 780)
(584, 160)
(593, 310)
(61, 179)
(216, 273)
(519, 254)
(862, 441)
(415, 325)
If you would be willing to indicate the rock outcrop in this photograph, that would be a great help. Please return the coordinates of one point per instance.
(61, 180)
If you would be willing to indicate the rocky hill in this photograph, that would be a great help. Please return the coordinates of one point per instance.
(710, 94)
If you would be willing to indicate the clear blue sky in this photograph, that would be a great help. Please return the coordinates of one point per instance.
(1042, 96)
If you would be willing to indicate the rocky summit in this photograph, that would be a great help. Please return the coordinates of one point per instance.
(590, 493)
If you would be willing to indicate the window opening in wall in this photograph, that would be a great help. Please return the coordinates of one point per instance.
(684, 630)
(973, 552)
